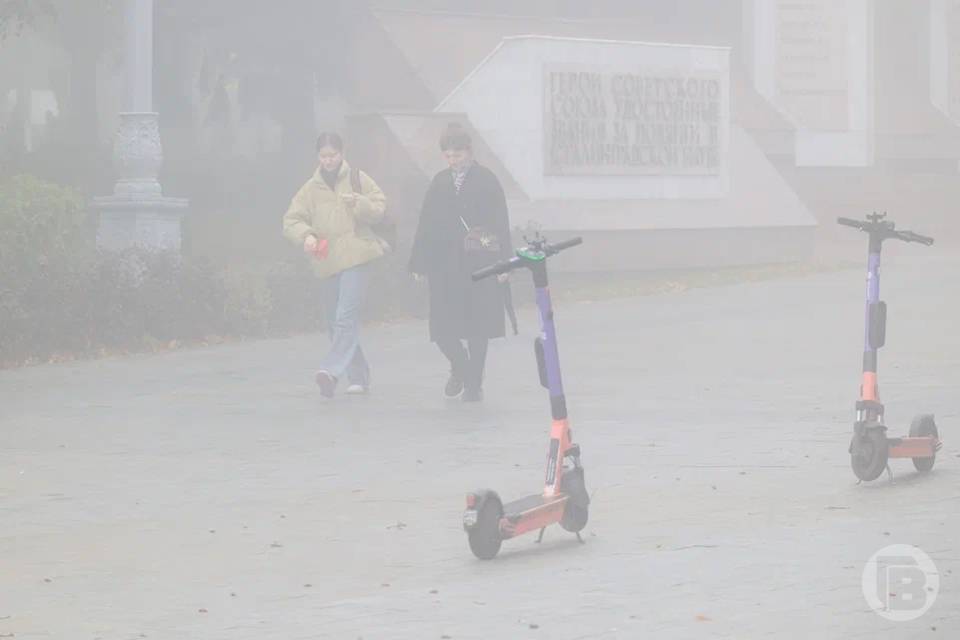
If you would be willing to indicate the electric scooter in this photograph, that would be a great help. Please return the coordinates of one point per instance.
(870, 448)
(564, 499)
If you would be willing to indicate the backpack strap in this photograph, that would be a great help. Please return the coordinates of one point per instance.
(355, 182)
(386, 228)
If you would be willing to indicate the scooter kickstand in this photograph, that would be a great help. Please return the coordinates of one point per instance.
(579, 539)
(540, 537)
(889, 473)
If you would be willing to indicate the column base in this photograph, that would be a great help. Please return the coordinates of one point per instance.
(149, 223)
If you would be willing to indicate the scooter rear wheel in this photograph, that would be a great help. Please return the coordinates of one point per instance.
(868, 454)
(923, 426)
(484, 537)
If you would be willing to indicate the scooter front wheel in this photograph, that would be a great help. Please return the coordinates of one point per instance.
(574, 517)
(484, 536)
(923, 426)
(868, 454)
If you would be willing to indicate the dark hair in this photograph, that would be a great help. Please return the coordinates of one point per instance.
(455, 138)
(329, 139)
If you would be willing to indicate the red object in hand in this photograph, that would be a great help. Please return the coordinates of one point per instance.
(323, 248)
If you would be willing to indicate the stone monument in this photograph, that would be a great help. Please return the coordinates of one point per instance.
(813, 60)
(632, 146)
(944, 57)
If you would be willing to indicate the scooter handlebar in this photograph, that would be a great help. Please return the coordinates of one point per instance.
(496, 269)
(552, 249)
(850, 222)
(910, 236)
(885, 231)
(516, 262)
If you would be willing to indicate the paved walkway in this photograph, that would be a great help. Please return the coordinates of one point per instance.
(211, 493)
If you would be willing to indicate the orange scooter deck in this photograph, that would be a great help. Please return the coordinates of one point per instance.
(531, 513)
(918, 447)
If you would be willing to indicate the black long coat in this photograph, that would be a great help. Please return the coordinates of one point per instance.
(459, 307)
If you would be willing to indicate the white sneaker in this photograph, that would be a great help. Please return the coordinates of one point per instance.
(357, 390)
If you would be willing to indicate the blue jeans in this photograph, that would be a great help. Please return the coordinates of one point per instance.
(343, 296)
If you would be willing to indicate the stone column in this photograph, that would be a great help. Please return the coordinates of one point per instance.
(137, 214)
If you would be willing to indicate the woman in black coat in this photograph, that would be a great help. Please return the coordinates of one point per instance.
(463, 226)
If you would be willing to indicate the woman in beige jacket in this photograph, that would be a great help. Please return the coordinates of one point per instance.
(332, 221)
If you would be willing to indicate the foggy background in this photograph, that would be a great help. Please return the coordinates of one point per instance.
(242, 89)
(170, 471)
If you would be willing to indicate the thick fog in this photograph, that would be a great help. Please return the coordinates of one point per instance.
(462, 319)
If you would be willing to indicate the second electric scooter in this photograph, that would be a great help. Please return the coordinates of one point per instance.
(870, 447)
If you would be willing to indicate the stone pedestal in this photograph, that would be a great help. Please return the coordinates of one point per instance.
(137, 214)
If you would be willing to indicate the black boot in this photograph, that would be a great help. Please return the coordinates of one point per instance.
(473, 395)
(454, 386)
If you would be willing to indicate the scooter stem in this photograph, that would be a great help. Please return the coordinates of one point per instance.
(869, 389)
(560, 429)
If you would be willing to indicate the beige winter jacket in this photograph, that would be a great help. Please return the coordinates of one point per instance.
(317, 210)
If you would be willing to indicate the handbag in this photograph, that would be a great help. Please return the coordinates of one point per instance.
(479, 240)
